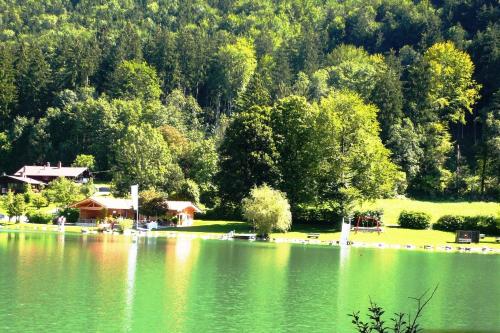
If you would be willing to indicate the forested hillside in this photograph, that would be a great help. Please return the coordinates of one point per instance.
(329, 101)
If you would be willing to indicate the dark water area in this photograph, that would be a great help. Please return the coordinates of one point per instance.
(106, 283)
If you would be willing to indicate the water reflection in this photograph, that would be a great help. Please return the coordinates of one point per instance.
(130, 288)
(109, 284)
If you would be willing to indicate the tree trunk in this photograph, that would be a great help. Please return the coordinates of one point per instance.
(483, 172)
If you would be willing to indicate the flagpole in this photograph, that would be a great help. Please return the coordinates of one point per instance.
(134, 191)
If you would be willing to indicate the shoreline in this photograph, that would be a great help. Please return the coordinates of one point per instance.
(440, 248)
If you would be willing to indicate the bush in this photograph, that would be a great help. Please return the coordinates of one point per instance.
(71, 214)
(485, 224)
(39, 217)
(126, 224)
(414, 220)
(267, 209)
(449, 223)
(316, 215)
(38, 201)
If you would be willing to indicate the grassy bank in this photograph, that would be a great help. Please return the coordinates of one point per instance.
(390, 235)
(393, 207)
(38, 227)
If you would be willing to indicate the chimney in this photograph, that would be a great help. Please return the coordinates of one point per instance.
(48, 164)
(59, 165)
(23, 173)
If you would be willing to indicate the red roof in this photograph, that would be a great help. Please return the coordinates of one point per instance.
(179, 206)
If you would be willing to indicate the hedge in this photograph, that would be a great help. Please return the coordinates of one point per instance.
(485, 224)
(414, 220)
(39, 217)
(315, 215)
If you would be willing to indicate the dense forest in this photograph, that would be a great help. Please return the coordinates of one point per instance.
(329, 101)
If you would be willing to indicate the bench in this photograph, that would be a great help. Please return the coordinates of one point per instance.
(313, 235)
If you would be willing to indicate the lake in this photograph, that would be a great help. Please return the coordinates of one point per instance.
(103, 283)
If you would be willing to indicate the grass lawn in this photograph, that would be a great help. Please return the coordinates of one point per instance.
(390, 235)
(436, 209)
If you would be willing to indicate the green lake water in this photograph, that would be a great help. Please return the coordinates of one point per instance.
(104, 283)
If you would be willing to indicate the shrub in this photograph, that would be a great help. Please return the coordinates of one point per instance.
(38, 201)
(315, 215)
(267, 209)
(414, 220)
(71, 214)
(449, 223)
(485, 224)
(126, 224)
(39, 217)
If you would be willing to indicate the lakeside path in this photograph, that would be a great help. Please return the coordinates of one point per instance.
(391, 237)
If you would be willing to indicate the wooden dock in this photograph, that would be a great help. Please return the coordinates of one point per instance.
(245, 236)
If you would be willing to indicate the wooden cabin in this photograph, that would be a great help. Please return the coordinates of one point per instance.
(183, 210)
(18, 184)
(98, 208)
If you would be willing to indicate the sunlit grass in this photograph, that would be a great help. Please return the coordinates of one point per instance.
(393, 207)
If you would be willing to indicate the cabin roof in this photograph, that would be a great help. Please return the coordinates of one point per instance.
(181, 205)
(49, 171)
(26, 180)
(121, 203)
(106, 202)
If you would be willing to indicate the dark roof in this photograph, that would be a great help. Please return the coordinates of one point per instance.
(26, 180)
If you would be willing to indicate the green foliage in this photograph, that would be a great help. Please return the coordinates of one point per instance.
(188, 191)
(28, 193)
(449, 223)
(400, 322)
(414, 220)
(38, 200)
(88, 189)
(152, 202)
(135, 80)
(354, 69)
(236, 64)
(318, 214)
(71, 214)
(74, 78)
(39, 217)
(452, 91)
(485, 224)
(248, 155)
(83, 160)
(354, 165)
(14, 205)
(125, 224)
(267, 210)
(143, 157)
(293, 122)
(63, 192)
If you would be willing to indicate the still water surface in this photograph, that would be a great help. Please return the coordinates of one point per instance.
(104, 283)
